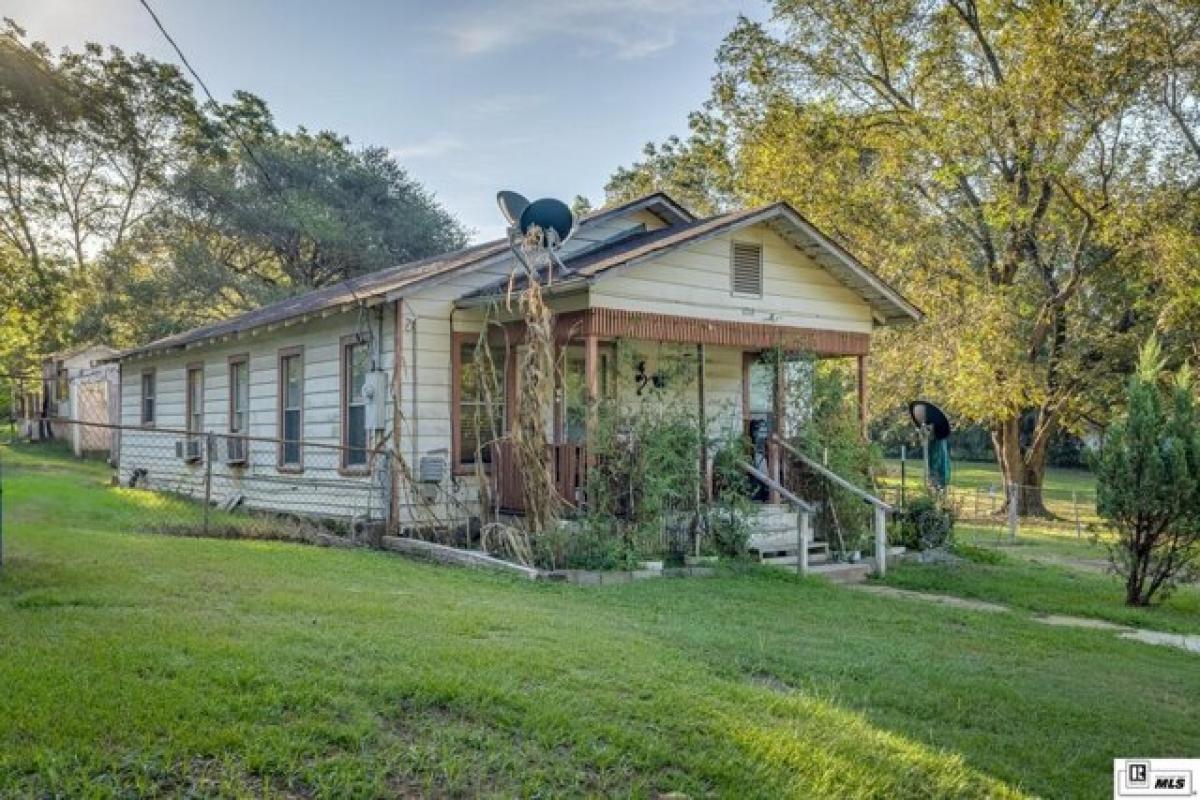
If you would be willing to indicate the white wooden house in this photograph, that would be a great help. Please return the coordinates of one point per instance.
(647, 273)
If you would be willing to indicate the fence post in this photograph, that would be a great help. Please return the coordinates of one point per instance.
(1014, 517)
(1075, 508)
(880, 541)
(903, 471)
(208, 459)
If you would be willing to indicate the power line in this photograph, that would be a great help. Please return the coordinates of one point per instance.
(271, 184)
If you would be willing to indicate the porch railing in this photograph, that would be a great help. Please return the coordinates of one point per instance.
(881, 508)
(568, 465)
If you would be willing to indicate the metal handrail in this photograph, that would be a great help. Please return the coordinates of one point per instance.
(833, 476)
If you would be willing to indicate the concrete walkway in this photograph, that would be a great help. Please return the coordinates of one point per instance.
(1187, 643)
(940, 599)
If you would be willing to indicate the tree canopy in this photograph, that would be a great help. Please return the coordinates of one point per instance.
(1025, 172)
(129, 209)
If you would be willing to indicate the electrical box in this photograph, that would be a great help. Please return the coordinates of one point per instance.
(374, 394)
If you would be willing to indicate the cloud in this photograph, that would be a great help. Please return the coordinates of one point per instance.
(623, 29)
(428, 148)
(506, 103)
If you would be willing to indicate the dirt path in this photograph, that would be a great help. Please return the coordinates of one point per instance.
(1187, 643)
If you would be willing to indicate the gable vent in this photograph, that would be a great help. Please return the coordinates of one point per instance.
(746, 269)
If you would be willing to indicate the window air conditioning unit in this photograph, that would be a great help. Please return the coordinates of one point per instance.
(189, 450)
(235, 450)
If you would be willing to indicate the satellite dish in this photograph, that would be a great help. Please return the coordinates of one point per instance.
(925, 413)
(511, 205)
(549, 215)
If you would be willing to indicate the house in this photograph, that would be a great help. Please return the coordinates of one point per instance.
(76, 386)
(383, 364)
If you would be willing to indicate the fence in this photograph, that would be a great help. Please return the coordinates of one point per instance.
(986, 504)
(226, 484)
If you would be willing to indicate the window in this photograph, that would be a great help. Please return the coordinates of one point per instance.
(195, 398)
(574, 398)
(291, 406)
(746, 269)
(239, 394)
(148, 389)
(354, 409)
(474, 428)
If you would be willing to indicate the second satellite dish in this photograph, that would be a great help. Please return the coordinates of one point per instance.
(511, 205)
(925, 413)
(549, 215)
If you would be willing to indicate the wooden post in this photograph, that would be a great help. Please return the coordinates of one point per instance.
(591, 370)
(702, 418)
(862, 395)
(393, 524)
(880, 541)
(774, 462)
(903, 476)
(1014, 518)
(1075, 508)
(805, 538)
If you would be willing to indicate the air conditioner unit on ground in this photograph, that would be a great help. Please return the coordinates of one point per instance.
(235, 450)
(189, 450)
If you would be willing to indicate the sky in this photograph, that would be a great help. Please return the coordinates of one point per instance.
(547, 98)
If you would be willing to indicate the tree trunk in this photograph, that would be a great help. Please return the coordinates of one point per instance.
(1022, 465)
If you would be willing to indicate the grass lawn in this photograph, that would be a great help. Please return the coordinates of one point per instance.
(1042, 581)
(136, 664)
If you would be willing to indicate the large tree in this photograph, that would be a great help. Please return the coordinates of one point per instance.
(128, 210)
(1017, 168)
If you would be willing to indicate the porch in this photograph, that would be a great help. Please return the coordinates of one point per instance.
(730, 375)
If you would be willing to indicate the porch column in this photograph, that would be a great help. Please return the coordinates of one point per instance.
(774, 462)
(591, 371)
(559, 391)
(705, 475)
(862, 395)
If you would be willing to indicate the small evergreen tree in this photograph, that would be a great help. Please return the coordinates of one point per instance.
(1149, 482)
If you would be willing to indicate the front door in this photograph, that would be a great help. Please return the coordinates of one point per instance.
(760, 412)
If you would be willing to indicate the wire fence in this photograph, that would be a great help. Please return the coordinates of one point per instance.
(987, 504)
(222, 484)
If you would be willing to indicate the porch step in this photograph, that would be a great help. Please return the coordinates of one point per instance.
(791, 559)
(782, 541)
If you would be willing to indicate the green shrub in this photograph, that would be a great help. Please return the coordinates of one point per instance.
(925, 525)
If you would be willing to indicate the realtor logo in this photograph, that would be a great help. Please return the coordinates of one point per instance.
(1154, 777)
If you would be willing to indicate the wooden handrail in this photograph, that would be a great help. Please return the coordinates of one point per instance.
(771, 483)
(833, 476)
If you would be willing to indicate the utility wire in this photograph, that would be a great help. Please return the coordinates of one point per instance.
(271, 184)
